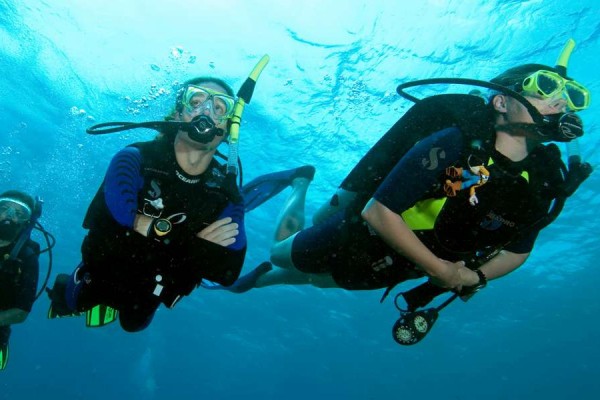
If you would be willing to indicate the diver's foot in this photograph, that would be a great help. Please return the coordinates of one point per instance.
(264, 187)
(58, 301)
(306, 172)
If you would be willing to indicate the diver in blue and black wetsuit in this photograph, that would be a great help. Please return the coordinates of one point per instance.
(462, 206)
(164, 218)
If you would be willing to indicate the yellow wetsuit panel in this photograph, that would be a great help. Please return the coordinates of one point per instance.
(423, 214)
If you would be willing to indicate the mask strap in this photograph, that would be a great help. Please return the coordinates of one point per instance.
(537, 117)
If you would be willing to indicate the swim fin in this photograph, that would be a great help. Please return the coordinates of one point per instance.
(267, 186)
(100, 316)
(58, 303)
(3, 355)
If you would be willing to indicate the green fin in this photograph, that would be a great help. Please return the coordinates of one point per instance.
(100, 315)
(3, 355)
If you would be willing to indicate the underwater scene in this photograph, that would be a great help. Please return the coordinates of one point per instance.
(317, 84)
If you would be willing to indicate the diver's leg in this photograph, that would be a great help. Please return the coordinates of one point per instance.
(243, 283)
(291, 218)
(265, 275)
(136, 317)
(281, 276)
(313, 268)
(281, 253)
(340, 200)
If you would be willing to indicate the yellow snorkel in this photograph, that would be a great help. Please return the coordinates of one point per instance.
(573, 154)
(244, 96)
(578, 170)
(563, 58)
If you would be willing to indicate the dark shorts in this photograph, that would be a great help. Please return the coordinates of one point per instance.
(344, 248)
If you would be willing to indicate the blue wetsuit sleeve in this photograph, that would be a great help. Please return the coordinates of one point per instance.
(420, 169)
(236, 212)
(122, 183)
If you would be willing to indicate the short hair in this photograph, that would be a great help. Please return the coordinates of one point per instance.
(210, 79)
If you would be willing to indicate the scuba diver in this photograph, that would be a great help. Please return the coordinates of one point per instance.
(167, 215)
(19, 272)
(164, 218)
(456, 191)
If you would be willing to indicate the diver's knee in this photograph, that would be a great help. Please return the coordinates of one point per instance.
(281, 253)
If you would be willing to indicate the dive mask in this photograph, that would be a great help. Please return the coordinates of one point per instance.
(547, 84)
(220, 105)
(14, 214)
(14, 210)
(562, 127)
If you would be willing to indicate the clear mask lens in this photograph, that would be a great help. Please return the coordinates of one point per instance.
(219, 105)
(578, 97)
(548, 86)
(14, 210)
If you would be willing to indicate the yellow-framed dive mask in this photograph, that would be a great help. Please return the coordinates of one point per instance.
(549, 84)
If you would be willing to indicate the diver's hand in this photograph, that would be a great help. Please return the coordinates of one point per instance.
(468, 277)
(221, 232)
(453, 277)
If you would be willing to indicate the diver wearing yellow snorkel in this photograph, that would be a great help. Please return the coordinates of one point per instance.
(392, 219)
(167, 215)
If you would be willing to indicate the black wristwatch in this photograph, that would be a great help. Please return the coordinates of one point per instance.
(162, 227)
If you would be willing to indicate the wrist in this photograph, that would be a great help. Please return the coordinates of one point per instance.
(481, 279)
(468, 291)
(159, 229)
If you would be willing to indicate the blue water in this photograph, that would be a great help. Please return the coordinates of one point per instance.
(326, 96)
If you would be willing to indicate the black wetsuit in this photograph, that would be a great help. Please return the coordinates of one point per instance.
(516, 196)
(18, 282)
(134, 273)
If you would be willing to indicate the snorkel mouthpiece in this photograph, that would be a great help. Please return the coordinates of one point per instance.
(562, 127)
(203, 130)
(569, 127)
